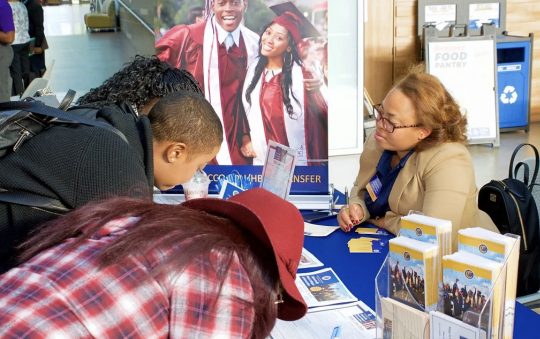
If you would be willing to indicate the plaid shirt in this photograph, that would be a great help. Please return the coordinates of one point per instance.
(61, 293)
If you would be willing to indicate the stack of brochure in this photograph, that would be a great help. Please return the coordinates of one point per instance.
(500, 248)
(413, 272)
(428, 229)
(472, 291)
(402, 321)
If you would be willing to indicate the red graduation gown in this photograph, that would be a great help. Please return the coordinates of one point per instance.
(315, 117)
(182, 47)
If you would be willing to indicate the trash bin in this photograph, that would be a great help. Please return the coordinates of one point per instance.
(514, 81)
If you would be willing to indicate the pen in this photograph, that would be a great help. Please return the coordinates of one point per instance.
(336, 332)
(346, 197)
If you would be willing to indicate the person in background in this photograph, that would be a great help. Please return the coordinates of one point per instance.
(139, 84)
(78, 164)
(276, 101)
(217, 52)
(7, 35)
(20, 66)
(209, 268)
(37, 32)
(416, 160)
(195, 15)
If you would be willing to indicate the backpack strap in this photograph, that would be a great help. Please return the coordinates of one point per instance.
(67, 100)
(33, 200)
(536, 163)
(61, 116)
(525, 172)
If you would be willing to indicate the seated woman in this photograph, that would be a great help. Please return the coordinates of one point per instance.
(131, 268)
(416, 160)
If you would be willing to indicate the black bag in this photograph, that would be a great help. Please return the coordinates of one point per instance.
(20, 121)
(511, 206)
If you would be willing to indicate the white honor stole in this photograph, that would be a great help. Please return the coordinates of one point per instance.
(212, 91)
(295, 128)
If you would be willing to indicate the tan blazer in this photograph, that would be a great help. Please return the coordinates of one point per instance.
(439, 182)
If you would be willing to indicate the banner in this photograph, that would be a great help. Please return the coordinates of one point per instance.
(263, 67)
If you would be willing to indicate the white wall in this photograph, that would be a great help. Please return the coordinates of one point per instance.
(346, 83)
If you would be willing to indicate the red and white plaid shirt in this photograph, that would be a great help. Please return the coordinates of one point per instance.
(61, 293)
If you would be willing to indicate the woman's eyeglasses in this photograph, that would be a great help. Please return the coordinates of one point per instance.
(387, 124)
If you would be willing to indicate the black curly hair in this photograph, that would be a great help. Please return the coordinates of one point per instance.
(138, 82)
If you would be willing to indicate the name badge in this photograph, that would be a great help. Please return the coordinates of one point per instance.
(374, 187)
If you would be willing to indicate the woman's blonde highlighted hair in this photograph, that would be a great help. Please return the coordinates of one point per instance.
(435, 108)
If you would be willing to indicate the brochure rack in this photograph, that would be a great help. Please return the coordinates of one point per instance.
(397, 320)
(495, 319)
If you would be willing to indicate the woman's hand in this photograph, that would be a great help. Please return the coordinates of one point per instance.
(247, 147)
(350, 216)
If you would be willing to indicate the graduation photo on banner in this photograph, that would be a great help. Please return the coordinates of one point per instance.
(263, 67)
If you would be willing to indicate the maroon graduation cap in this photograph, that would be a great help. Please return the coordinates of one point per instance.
(307, 30)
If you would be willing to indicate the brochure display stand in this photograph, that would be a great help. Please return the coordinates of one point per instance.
(491, 315)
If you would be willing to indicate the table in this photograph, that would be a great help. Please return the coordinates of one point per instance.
(358, 271)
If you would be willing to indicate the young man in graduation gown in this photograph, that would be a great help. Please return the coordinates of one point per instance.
(217, 53)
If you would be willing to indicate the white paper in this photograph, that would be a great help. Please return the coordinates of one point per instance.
(308, 260)
(356, 321)
(313, 230)
(443, 326)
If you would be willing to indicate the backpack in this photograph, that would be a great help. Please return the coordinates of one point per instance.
(511, 206)
(22, 120)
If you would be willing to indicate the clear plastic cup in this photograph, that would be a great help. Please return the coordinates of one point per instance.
(197, 187)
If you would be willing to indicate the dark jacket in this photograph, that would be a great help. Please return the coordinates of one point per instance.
(75, 165)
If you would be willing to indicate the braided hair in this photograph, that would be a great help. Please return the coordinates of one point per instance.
(140, 81)
(289, 58)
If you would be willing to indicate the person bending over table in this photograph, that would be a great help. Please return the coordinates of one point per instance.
(76, 164)
(416, 160)
(209, 268)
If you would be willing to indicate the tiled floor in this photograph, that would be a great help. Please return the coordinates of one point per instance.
(83, 60)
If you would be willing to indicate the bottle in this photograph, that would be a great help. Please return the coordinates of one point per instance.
(197, 187)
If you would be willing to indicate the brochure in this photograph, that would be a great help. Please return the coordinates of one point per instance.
(278, 169)
(471, 291)
(228, 189)
(445, 326)
(400, 321)
(313, 230)
(499, 248)
(323, 287)
(308, 260)
(413, 277)
(352, 321)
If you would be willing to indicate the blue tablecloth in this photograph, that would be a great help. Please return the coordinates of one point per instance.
(358, 271)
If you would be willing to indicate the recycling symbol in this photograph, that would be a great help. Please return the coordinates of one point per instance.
(509, 95)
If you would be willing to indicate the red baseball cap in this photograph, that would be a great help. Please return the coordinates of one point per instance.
(276, 223)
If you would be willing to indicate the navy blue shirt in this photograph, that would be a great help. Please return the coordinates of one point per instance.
(385, 176)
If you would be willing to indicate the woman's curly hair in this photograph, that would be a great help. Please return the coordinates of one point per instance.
(435, 108)
(138, 82)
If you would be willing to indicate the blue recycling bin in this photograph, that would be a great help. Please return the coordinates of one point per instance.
(514, 81)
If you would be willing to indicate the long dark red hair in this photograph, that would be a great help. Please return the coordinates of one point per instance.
(165, 227)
